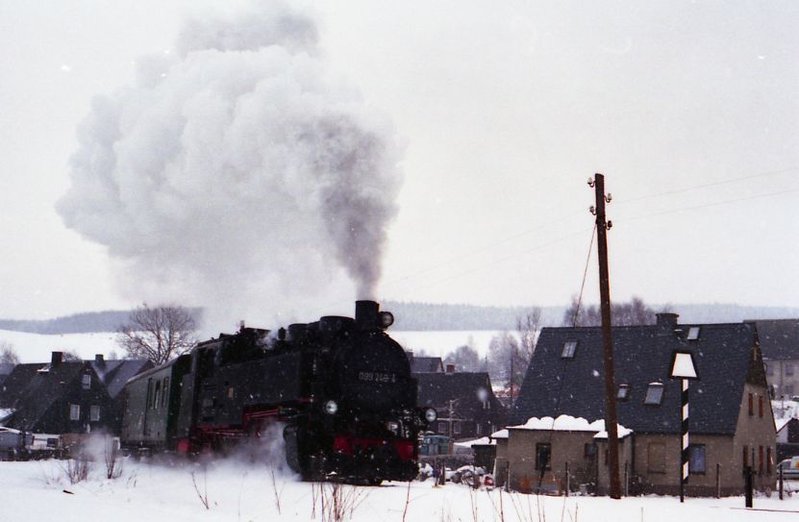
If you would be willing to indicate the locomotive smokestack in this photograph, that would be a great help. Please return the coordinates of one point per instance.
(366, 315)
(369, 317)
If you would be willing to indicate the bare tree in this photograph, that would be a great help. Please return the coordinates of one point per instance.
(7, 353)
(504, 353)
(71, 356)
(466, 359)
(158, 334)
(527, 327)
(632, 313)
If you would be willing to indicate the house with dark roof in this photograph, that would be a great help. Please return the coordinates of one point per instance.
(731, 422)
(5, 370)
(114, 374)
(425, 364)
(62, 397)
(465, 402)
(779, 342)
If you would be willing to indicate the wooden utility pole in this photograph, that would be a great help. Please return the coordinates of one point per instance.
(611, 417)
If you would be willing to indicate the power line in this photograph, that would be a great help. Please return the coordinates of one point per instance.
(490, 246)
(708, 185)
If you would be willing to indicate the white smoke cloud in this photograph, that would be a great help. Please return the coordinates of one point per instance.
(237, 173)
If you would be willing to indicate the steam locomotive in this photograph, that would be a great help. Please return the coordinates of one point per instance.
(341, 388)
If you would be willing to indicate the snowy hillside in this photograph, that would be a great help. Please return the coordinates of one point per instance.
(34, 348)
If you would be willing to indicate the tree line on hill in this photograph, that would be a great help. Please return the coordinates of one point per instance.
(411, 316)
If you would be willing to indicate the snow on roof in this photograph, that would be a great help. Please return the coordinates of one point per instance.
(568, 423)
(622, 432)
(5, 413)
(501, 434)
(779, 423)
(469, 443)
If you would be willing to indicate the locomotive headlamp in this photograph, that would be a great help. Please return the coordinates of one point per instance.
(331, 407)
(386, 319)
(430, 415)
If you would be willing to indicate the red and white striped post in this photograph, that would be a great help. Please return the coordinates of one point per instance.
(682, 367)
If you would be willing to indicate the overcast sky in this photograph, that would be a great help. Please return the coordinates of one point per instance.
(494, 115)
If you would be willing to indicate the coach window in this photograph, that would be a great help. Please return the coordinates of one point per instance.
(157, 395)
(149, 403)
(164, 391)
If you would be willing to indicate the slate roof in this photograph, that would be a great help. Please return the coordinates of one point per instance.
(426, 364)
(14, 385)
(115, 373)
(50, 384)
(437, 389)
(555, 385)
(779, 338)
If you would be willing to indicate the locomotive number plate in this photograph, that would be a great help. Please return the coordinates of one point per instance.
(377, 377)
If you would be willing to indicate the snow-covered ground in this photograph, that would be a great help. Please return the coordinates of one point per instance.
(235, 491)
(33, 348)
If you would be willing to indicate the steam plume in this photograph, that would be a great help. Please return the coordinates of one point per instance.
(237, 172)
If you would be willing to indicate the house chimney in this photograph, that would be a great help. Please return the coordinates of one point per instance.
(57, 358)
(667, 319)
(99, 360)
(450, 368)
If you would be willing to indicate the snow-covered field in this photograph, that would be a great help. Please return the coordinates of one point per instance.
(33, 348)
(235, 491)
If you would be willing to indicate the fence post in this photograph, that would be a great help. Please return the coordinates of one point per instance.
(626, 479)
(748, 485)
(718, 480)
(568, 479)
(779, 472)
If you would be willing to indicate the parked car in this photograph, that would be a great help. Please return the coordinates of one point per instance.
(467, 474)
(789, 467)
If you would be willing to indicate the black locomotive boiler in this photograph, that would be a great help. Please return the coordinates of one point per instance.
(340, 387)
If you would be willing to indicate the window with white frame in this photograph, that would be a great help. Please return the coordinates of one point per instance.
(693, 333)
(569, 348)
(74, 412)
(86, 381)
(94, 413)
(624, 392)
(654, 393)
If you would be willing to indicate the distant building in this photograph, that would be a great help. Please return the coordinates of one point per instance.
(114, 374)
(551, 455)
(67, 396)
(466, 404)
(5, 371)
(731, 422)
(779, 342)
(62, 397)
(425, 364)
